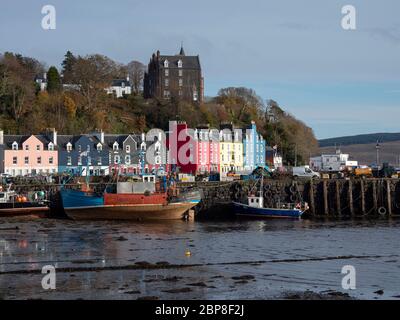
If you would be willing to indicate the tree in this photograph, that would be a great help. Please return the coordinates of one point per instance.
(93, 74)
(136, 71)
(53, 80)
(67, 66)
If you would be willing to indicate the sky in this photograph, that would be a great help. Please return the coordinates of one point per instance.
(339, 82)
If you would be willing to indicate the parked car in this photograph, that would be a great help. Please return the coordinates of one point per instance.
(304, 172)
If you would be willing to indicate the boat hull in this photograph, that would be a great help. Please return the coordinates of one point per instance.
(241, 209)
(23, 209)
(173, 211)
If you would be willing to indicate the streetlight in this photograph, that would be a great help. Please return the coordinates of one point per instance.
(377, 152)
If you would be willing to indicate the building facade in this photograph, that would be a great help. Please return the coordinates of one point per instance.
(84, 155)
(253, 148)
(28, 155)
(176, 76)
(231, 150)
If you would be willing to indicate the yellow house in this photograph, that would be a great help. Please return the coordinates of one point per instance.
(230, 150)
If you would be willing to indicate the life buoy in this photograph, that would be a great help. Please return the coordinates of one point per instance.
(382, 211)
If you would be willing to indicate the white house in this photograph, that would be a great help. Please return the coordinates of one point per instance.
(120, 87)
(332, 162)
(41, 80)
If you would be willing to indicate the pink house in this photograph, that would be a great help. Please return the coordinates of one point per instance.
(207, 149)
(29, 155)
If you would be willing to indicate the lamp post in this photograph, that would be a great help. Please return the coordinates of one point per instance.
(377, 153)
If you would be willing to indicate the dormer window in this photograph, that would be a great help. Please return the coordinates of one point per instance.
(115, 146)
(127, 148)
(179, 63)
(15, 145)
(69, 147)
(143, 146)
(166, 64)
(99, 147)
(50, 147)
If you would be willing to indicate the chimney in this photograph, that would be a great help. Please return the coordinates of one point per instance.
(52, 134)
(1, 137)
(99, 134)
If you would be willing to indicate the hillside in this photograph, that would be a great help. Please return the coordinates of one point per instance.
(366, 153)
(360, 139)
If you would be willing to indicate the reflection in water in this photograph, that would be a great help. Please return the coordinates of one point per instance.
(281, 255)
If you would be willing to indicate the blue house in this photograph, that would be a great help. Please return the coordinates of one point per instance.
(83, 155)
(253, 148)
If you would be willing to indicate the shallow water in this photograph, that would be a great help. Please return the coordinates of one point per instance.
(241, 259)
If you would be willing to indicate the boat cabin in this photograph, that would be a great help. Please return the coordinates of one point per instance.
(256, 202)
(7, 196)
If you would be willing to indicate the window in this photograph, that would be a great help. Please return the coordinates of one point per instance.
(69, 147)
(15, 146)
(39, 160)
(127, 159)
(166, 94)
(180, 92)
(166, 64)
(69, 161)
(51, 160)
(117, 160)
(79, 148)
(180, 82)
(99, 147)
(89, 161)
(99, 161)
(195, 97)
(180, 72)
(115, 146)
(128, 148)
(38, 147)
(166, 72)
(166, 82)
(51, 147)
(179, 63)
(26, 160)
(15, 160)
(79, 161)
(88, 148)
(27, 147)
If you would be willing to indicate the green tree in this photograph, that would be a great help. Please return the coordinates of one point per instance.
(67, 66)
(53, 80)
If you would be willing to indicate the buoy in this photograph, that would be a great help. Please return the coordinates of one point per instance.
(188, 253)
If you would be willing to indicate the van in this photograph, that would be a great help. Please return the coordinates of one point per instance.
(305, 172)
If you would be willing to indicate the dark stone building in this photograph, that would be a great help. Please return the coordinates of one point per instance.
(176, 76)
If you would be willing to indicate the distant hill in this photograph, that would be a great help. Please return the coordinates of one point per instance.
(366, 153)
(359, 139)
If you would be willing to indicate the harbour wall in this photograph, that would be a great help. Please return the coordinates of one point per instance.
(326, 197)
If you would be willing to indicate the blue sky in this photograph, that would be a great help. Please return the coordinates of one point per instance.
(295, 52)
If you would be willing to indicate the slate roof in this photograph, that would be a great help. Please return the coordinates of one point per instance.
(20, 139)
(119, 82)
(188, 62)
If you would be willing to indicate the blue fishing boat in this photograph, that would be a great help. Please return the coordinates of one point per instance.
(255, 208)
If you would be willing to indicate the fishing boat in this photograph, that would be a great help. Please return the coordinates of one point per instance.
(131, 201)
(13, 204)
(255, 207)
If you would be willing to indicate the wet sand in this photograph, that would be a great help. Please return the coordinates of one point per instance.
(239, 259)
